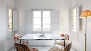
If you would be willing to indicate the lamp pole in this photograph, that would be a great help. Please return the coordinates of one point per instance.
(85, 34)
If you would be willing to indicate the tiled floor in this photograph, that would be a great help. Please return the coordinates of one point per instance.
(43, 49)
(47, 48)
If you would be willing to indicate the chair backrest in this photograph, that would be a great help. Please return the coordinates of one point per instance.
(66, 36)
(21, 47)
(68, 47)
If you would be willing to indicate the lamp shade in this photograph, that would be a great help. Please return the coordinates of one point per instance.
(85, 14)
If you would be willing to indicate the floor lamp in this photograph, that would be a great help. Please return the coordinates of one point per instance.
(85, 14)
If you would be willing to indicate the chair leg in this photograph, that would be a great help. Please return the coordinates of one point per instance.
(28, 42)
(54, 45)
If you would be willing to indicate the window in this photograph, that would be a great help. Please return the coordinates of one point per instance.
(74, 19)
(10, 19)
(75, 22)
(41, 20)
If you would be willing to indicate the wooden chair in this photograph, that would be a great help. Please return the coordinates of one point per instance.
(67, 48)
(22, 47)
(60, 42)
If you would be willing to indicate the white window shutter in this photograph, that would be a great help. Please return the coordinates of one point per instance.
(15, 20)
(55, 20)
(28, 20)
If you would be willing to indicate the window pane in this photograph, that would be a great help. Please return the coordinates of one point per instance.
(37, 20)
(74, 29)
(10, 27)
(46, 13)
(10, 19)
(74, 19)
(74, 12)
(37, 27)
(10, 12)
(74, 25)
(46, 20)
(37, 14)
(46, 27)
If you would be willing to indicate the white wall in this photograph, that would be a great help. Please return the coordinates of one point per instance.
(3, 22)
(61, 5)
(2, 25)
(79, 44)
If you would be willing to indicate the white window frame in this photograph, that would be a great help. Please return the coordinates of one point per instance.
(42, 19)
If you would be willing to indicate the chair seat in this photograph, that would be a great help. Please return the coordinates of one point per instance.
(55, 49)
(59, 43)
(33, 49)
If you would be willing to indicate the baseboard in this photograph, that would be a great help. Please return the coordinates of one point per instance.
(73, 48)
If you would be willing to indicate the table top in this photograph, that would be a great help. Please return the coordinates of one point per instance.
(42, 37)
